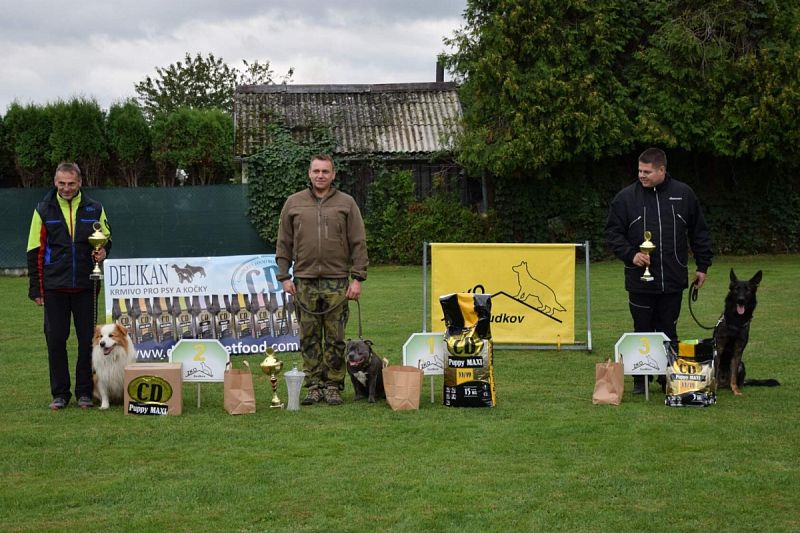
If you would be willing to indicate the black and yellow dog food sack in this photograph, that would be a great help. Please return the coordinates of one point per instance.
(690, 373)
(468, 370)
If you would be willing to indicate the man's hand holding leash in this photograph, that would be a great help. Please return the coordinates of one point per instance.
(699, 279)
(354, 290)
(288, 287)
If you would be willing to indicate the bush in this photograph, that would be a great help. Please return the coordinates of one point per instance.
(439, 218)
(79, 135)
(388, 200)
(198, 140)
(397, 225)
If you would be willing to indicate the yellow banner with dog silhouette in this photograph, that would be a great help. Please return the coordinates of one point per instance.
(532, 287)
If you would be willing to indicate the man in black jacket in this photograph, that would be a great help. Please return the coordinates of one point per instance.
(670, 211)
(60, 261)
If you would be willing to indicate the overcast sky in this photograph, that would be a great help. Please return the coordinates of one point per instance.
(52, 50)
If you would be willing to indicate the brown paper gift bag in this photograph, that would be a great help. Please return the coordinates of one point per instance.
(403, 385)
(609, 383)
(239, 397)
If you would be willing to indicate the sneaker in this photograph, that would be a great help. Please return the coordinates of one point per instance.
(58, 403)
(332, 395)
(314, 396)
(84, 402)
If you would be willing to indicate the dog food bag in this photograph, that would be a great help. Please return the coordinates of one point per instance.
(690, 373)
(468, 370)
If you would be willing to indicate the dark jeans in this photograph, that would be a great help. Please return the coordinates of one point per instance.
(656, 312)
(59, 307)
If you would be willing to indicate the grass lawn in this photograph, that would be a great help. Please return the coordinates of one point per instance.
(544, 459)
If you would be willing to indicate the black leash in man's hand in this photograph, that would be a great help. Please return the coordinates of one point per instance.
(303, 308)
(693, 291)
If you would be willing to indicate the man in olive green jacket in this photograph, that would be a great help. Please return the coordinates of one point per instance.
(322, 237)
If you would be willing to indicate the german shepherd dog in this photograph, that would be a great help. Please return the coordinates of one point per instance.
(732, 333)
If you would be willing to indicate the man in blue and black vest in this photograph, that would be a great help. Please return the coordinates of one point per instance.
(60, 261)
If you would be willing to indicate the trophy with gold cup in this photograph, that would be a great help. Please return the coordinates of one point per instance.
(271, 366)
(647, 247)
(97, 239)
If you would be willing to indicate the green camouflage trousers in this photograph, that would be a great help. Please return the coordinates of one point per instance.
(322, 335)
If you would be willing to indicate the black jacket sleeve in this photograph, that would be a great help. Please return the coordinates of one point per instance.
(34, 289)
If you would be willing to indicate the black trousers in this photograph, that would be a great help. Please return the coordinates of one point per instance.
(656, 312)
(59, 308)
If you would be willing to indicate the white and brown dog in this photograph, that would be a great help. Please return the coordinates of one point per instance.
(112, 350)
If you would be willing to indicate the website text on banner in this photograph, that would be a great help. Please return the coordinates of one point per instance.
(532, 287)
(235, 299)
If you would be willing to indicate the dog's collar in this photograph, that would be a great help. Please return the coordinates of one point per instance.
(733, 328)
(368, 360)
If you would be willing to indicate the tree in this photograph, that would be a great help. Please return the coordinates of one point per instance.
(559, 97)
(8, 176)
(198, 140)
(541, 82)
(720, 77)
(28, 130)
(547, 82)
(79, 135)
(128, 139)
(200, 82)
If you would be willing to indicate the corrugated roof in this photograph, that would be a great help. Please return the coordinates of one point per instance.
(401, 120)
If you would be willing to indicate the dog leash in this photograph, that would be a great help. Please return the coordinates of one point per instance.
(693, 292)
(304, 309)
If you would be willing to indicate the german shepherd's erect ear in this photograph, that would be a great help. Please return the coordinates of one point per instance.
(755, 280)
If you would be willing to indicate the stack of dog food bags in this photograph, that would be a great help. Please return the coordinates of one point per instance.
(690, 373)
(468, 370)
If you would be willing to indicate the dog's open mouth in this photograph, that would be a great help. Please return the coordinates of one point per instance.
(107, 350)
(356, 362)
(740, 309)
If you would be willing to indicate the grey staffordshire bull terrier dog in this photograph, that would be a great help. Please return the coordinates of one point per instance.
(366, 370)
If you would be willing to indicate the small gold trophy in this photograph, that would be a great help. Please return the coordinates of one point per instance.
(98, 240)
(271, 365)
(647, 247)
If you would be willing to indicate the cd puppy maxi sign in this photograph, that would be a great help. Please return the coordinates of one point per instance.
(236, 300)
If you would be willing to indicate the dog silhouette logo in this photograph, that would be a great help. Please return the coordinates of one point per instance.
(535, 293)
(187, 273)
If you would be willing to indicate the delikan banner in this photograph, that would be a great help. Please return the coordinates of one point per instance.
(236, 299)
(532, 287)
